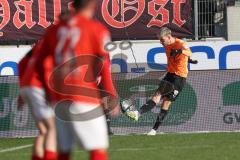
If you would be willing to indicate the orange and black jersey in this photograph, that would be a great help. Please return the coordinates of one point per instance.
(178, 64)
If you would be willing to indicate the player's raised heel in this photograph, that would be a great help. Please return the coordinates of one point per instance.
(152, 133)
(134, 115)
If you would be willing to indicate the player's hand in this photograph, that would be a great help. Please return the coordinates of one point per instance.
(20, 103)
(112, 106)
(192, 61)
(115, 111)
(174, 52)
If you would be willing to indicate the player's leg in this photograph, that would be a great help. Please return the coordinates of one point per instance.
(150, 104)
(108, 118)
(38, 149)
(50, 139)
(44, 142)
(179, 83)
(163, 89)
(92, 134)
(44, 113)
(110, 132)
(164, 110)
(38, 146)
(65, 139)
(35, 98)
(98, 154)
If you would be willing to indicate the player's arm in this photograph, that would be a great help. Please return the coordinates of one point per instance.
(43, 50)
(39, 58)
(185, 50)
(106, 81)
(107, 85)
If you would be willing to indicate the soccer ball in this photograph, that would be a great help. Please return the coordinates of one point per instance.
(127, 105)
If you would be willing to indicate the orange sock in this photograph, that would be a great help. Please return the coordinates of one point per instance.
(98, 155)
(34, 157)
(50, 155)
(64, 156)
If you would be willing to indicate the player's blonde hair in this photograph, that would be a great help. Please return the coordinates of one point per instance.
(163, 32)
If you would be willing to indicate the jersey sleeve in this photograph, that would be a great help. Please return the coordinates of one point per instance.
(39, 59)
(42, 51)
(22, 64)
(22, 67)
(103, 39)
(186, 50)
(106, 76)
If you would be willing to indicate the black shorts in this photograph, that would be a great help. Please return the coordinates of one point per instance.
(178, 84)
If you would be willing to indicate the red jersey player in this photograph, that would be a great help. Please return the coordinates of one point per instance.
(32, 92)
(71, 60)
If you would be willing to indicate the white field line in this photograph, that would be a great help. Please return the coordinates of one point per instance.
(15, 148)
(139, 149)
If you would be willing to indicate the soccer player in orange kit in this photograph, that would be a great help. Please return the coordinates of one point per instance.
(178, 55)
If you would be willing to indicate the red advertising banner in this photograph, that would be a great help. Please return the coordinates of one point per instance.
(142, 19)
(26, 20)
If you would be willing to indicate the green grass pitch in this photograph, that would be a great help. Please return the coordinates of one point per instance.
(203, 146)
